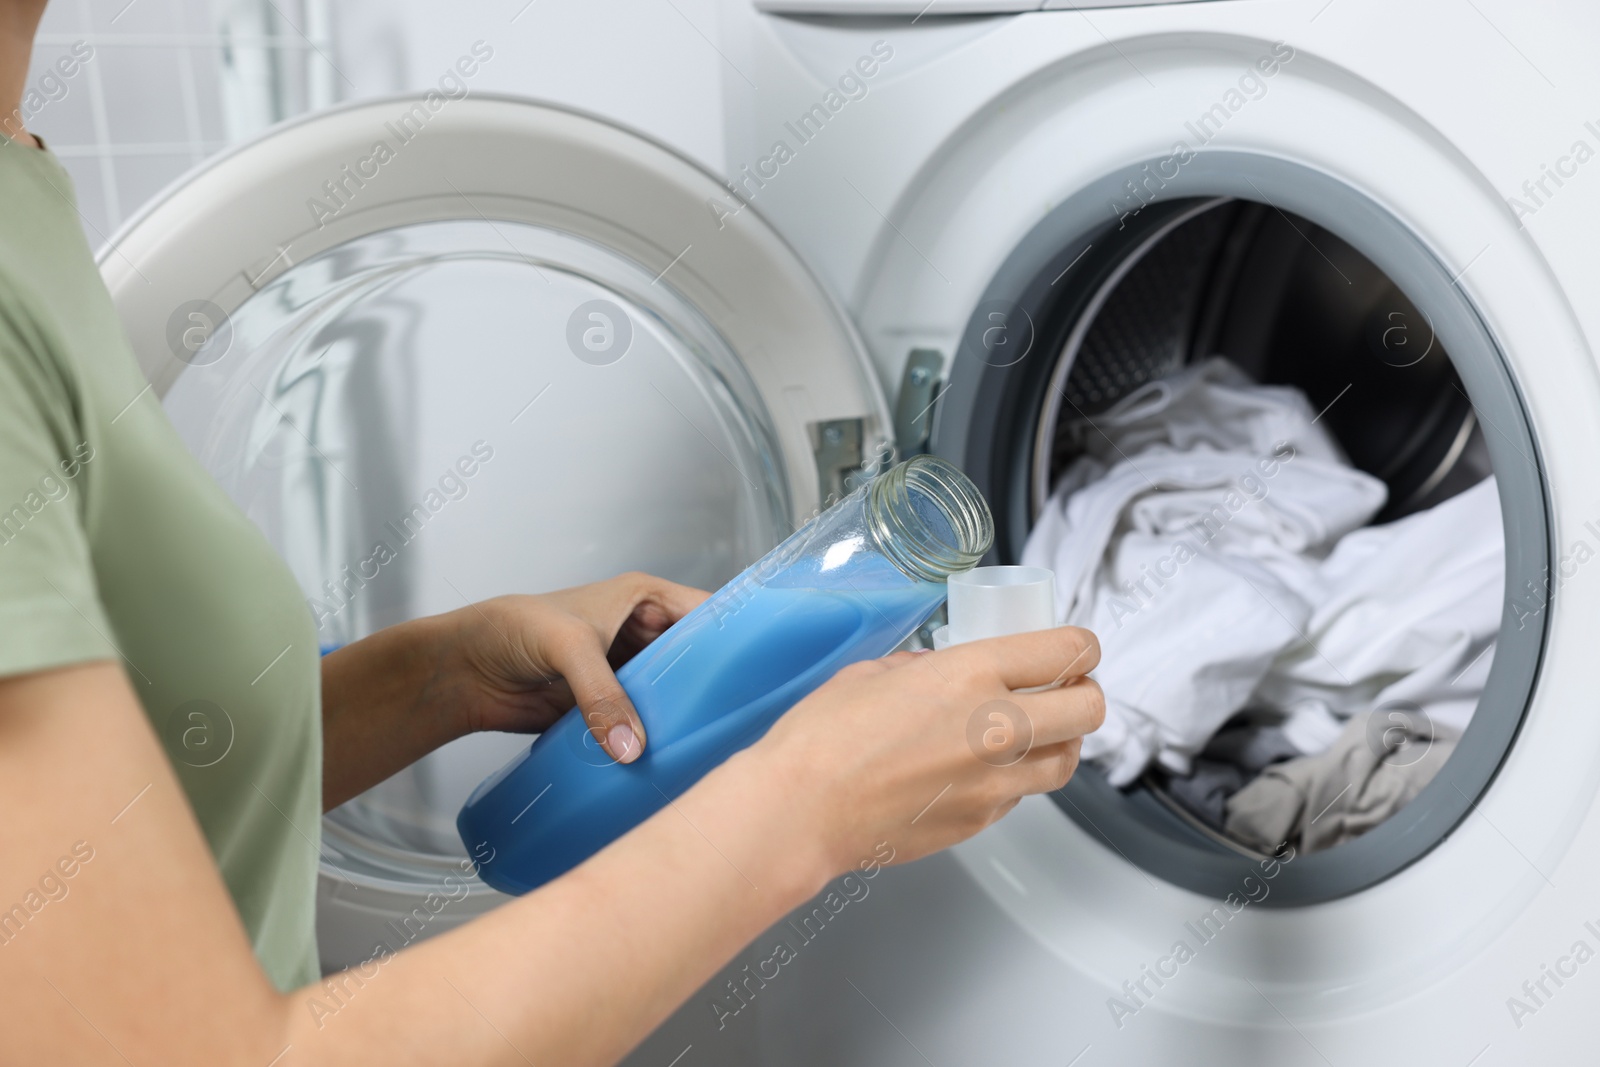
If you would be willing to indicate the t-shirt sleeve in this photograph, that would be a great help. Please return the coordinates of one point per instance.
(50, 611)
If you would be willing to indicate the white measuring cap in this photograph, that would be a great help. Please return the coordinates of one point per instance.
(996, 601)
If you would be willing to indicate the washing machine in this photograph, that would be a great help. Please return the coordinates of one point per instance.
(449, 345)
(1029, 215)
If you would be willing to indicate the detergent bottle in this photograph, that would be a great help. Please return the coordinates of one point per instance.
(850, 585)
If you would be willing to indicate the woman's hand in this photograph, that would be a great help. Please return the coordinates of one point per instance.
(527, 659)
(574, 973)
(512, 663)
(922, 750)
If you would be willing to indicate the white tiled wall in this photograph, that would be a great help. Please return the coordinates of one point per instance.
(173, 81)
(656, 66)
(168, 83)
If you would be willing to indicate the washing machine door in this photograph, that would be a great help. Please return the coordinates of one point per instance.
(441, 350)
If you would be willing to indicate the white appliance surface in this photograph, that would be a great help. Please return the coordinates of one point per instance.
(1015, 947)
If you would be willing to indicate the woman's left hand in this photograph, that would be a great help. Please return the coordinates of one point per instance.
(512, 663)
(524, 660)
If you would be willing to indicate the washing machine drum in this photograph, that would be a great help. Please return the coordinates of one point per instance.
(1084, 315)
(1292, 305)
(518, 355)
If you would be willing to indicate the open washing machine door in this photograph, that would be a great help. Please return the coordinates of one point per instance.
(441, 350)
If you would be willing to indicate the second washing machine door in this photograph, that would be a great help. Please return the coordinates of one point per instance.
(441, 350)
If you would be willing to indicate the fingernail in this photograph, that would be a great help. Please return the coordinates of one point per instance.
(621, 743)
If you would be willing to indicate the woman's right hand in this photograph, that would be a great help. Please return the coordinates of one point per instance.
(922, 750)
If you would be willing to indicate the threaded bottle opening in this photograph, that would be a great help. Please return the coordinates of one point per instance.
(929, 519)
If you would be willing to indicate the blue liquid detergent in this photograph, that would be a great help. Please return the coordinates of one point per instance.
(708, 687)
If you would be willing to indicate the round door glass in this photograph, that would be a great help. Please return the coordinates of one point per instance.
(440, 413)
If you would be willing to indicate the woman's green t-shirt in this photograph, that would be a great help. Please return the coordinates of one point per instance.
(116, 544)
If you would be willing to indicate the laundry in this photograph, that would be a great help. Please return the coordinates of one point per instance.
(1212, 534)
(1188, 537)
(1378, 764)
(1408, 617)
(1238, 753)
(1407, 631)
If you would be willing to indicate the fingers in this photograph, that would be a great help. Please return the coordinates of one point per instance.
(638, 599)
(1047, 769)
(638, 606)
(1056, 721)
(1023, 661)
(604, 705)
(678, 600)
(1072, 710)
(654, 602)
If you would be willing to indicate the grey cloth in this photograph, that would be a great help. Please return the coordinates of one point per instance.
(1376, 767)
(1205, 790)
(1239, 752)
(1253, 746)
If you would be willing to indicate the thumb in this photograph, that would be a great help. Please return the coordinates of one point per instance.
(603, 703)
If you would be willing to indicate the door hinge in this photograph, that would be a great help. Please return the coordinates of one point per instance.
(837, 444)
(913, 408)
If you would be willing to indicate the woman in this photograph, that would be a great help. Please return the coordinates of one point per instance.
(156, 905)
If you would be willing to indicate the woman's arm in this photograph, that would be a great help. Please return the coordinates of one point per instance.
(511, 663)
(138, 956)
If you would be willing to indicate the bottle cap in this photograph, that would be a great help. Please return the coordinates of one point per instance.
(996, 601)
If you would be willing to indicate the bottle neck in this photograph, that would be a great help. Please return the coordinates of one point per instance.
(929, 519)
